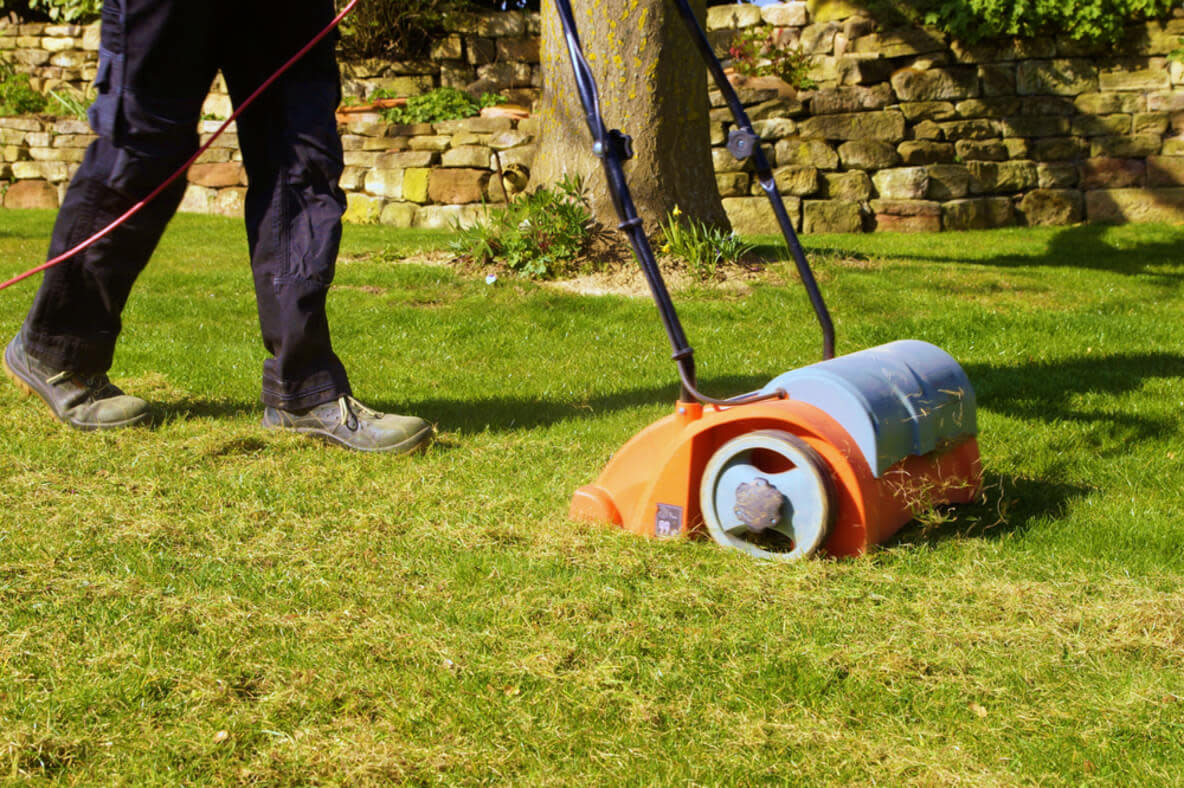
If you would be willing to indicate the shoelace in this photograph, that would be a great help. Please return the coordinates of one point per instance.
(347, 405)
(95, 383)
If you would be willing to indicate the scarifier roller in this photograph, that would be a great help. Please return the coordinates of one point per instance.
(835, 456)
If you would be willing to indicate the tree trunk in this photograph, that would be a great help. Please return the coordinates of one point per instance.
(653, 87)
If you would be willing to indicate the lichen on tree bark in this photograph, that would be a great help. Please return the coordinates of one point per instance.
(653, 87)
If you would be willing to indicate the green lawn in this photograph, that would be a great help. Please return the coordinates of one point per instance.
(206, 603)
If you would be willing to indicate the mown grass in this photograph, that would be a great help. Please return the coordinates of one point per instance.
(203, 602)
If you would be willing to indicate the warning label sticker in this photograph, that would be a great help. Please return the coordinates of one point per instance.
(668, 521)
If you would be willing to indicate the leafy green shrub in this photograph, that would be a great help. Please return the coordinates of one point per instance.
(71, 11)
(702, 247)
(17, 96)
(1090, 21)
(537, 235)
(436, 105)
(755, 52)
(394, 28)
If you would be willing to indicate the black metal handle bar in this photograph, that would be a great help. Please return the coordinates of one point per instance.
(614, 148)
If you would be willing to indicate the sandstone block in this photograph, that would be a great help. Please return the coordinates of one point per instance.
(902, 183)
(795, 150)
(1165, 170)
(1035, 126)
(522, 156)
(852, 186)
(923, 152)
(415, 184)
(915, 111)
(1154, 123)
(1101, 125)
(1135, 205)
(398, 214)
(363, 209)
(885, 125)
(361, 158)
(504, 140)
(851, 99)
(1018, 148)
(754, 215)
(862, 69)
(733, 184)
(1155, 77)
(353, 179)
(504, 74)
(31, 194)
(792, 14)
(928, 130)
(384, 183)
(1126, 147)
(457, 186)
(978, 129)
(1047, 105)
(982, 150)
(796, 179)
(770, 129)
(230, 202)
(1004, 50)
(819, 38)
(868, 155)
(831, 216)
(937, 84)
(1057, 175)
(1107, 173)
(1109, 103)
(500, 24)
(436, 143)
(1069, 77)
(476, 125)
(477, 156)
(906, 216)
(1172, 146)
(722, 160)
(1044, 207)
(832, 10)
(400, 160)
(948, 181)
(988, 107)
(982, 213)
(217, 176)
(1166, 101)
(902, 43)
(997, 79)
(726, 17)
(1059, 149)
(1001, 177)
(443, 217)
(448, 48)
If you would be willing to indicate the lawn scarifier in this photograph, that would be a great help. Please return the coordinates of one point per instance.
(837, 455)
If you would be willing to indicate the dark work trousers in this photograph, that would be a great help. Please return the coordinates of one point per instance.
(157, 61)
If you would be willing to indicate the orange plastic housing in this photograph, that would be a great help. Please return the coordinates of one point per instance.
(651, 485)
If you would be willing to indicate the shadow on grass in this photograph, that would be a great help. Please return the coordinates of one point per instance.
(1007, 505)
(1043, 391)
(1085, 246)
(507, 412)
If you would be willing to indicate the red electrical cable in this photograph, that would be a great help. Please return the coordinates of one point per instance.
(184, 167)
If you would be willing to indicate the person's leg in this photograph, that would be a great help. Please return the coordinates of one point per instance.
(292, 153)
(154, 73)
(293, 157)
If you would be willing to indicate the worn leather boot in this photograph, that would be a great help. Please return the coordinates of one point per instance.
(347, 422)
(85, 402)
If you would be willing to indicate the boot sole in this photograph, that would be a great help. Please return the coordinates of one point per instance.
(27, 390)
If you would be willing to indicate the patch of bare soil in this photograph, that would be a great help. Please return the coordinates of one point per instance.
(627, 279)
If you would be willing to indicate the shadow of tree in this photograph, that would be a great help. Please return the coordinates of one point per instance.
(1044, 391)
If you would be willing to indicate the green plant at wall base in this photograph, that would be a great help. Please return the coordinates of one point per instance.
(437, 105)
(537, 235)
(755, 52)
(702, 247)
(17, 96)
(70, 11)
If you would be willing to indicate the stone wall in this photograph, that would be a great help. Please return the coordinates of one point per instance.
(908, 130)
(904, 130)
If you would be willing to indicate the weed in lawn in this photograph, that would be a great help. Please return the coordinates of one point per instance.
(538, 234)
